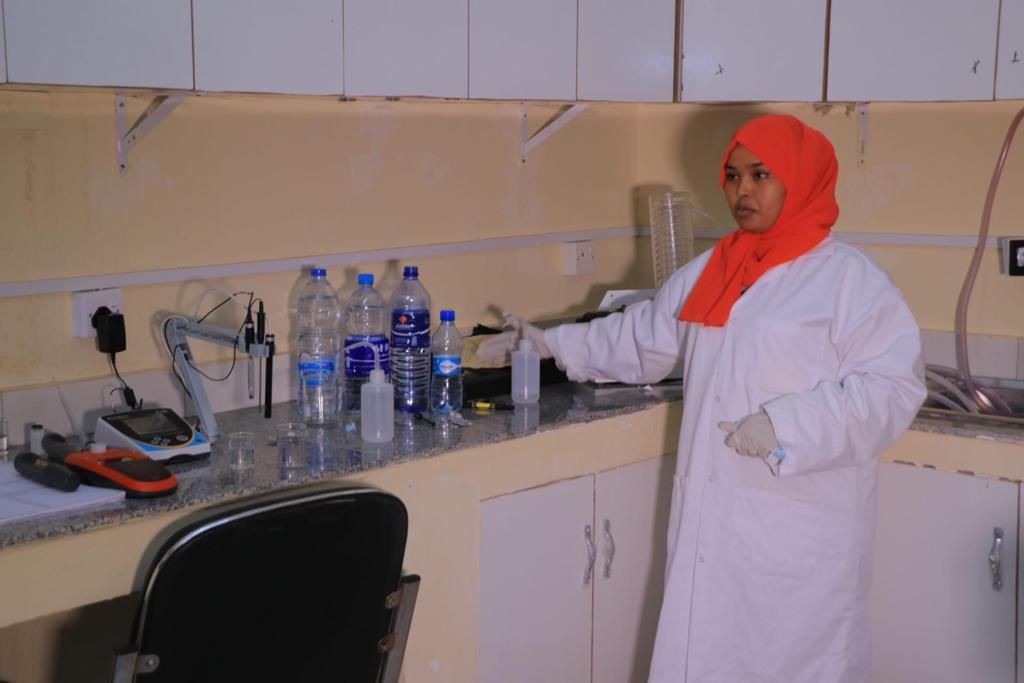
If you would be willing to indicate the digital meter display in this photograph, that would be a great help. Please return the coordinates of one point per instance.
(154, 422)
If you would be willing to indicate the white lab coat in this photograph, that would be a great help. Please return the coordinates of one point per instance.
(767, 577)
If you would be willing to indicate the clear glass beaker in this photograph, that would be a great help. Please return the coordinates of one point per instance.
(671, 233)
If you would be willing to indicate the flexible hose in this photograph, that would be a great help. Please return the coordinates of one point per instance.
(983, 400)
(968, 404)
(952, 405)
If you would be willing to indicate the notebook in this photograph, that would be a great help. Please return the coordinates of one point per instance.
(22, 499)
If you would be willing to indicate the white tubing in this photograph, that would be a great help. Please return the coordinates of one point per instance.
(953, 389)
(952, 405)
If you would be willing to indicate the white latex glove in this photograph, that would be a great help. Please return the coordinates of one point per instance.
(753, 435)
(498, 346)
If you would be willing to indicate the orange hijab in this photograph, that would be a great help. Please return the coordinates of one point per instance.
(803, 159)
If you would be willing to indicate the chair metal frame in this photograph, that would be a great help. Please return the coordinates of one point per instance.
(129, 662)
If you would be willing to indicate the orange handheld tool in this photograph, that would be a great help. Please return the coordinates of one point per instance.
(132, 472)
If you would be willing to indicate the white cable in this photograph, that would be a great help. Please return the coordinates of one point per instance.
(67, 411)
(217, 288)
(952, 405)
(953, 389)
(107, 394)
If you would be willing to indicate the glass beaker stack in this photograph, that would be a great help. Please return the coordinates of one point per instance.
(671, 233)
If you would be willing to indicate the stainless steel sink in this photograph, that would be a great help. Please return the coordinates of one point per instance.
(1005, 395)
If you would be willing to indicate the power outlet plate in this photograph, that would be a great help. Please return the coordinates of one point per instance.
(85, 303)
(1011, 255)
(578, 258)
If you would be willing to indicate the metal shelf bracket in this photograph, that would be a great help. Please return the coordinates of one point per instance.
(528, 143)
(862, 134)
(157, 111)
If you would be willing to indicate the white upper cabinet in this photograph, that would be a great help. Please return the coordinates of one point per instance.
(912, 50)
(522, 50)
(268, 46)
(132, 43)
(751, 50)
(626, 50)
(1010, 67)
(407, 47)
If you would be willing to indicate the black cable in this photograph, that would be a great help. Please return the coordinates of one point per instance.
(210, 312)
(174, 361)
(234, 350)
(126, 391)
(234, 358)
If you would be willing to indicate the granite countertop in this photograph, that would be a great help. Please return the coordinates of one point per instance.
(970, 425)
(339, 451)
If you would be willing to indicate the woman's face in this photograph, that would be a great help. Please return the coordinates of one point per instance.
(754, 194)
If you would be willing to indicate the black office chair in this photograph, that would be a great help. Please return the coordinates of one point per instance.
(303, 585)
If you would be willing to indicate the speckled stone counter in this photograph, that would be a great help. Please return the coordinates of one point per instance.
(970, 426)
(339, 451)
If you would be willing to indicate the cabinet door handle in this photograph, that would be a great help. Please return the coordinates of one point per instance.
(588, 536)
(609, 550)
(994, 560)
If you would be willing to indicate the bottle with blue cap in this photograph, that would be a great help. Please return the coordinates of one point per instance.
(366, 320)
(446, 380)
(319, 317)
(410, 343)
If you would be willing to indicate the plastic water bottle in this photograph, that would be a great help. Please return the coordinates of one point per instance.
(410, 343)
(365, 320)
(319, 314)
(446, 380)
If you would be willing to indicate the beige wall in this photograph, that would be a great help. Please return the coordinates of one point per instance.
(238, 179)
(927, 170)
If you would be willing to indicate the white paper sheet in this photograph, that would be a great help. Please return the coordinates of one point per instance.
(22, 499)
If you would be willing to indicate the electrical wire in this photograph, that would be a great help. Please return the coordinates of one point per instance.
(234, 349)
(232, 296)
(170, 352)
(126, 391)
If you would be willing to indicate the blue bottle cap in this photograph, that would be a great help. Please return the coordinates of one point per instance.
(365, 278)
(447, 316)
(318, 272)
(411, 272)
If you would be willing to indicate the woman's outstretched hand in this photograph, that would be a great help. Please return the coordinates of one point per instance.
(498, 346)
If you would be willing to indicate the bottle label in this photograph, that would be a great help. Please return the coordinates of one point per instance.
(447, 366)
(359, 361)
(314, 371)
(410, 328)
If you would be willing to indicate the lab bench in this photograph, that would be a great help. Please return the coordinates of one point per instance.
(442, 475)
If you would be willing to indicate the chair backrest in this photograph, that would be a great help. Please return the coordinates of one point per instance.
(299, 585)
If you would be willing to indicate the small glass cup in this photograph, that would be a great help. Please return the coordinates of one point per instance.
(291, 444)
(241, 447)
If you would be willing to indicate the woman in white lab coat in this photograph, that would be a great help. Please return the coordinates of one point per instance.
(801, 364)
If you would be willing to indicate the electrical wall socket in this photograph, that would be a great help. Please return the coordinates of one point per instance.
(85, 303)
(1011, 255)
(578, 258)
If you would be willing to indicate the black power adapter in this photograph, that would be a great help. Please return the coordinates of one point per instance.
(111, 340)
(110, 336)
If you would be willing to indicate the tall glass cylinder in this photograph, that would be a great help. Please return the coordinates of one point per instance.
(671, 233)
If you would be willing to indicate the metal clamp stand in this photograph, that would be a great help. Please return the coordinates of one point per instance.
(181, 329)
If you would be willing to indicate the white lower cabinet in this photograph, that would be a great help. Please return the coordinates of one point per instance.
(935, 614)
(571, 577)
